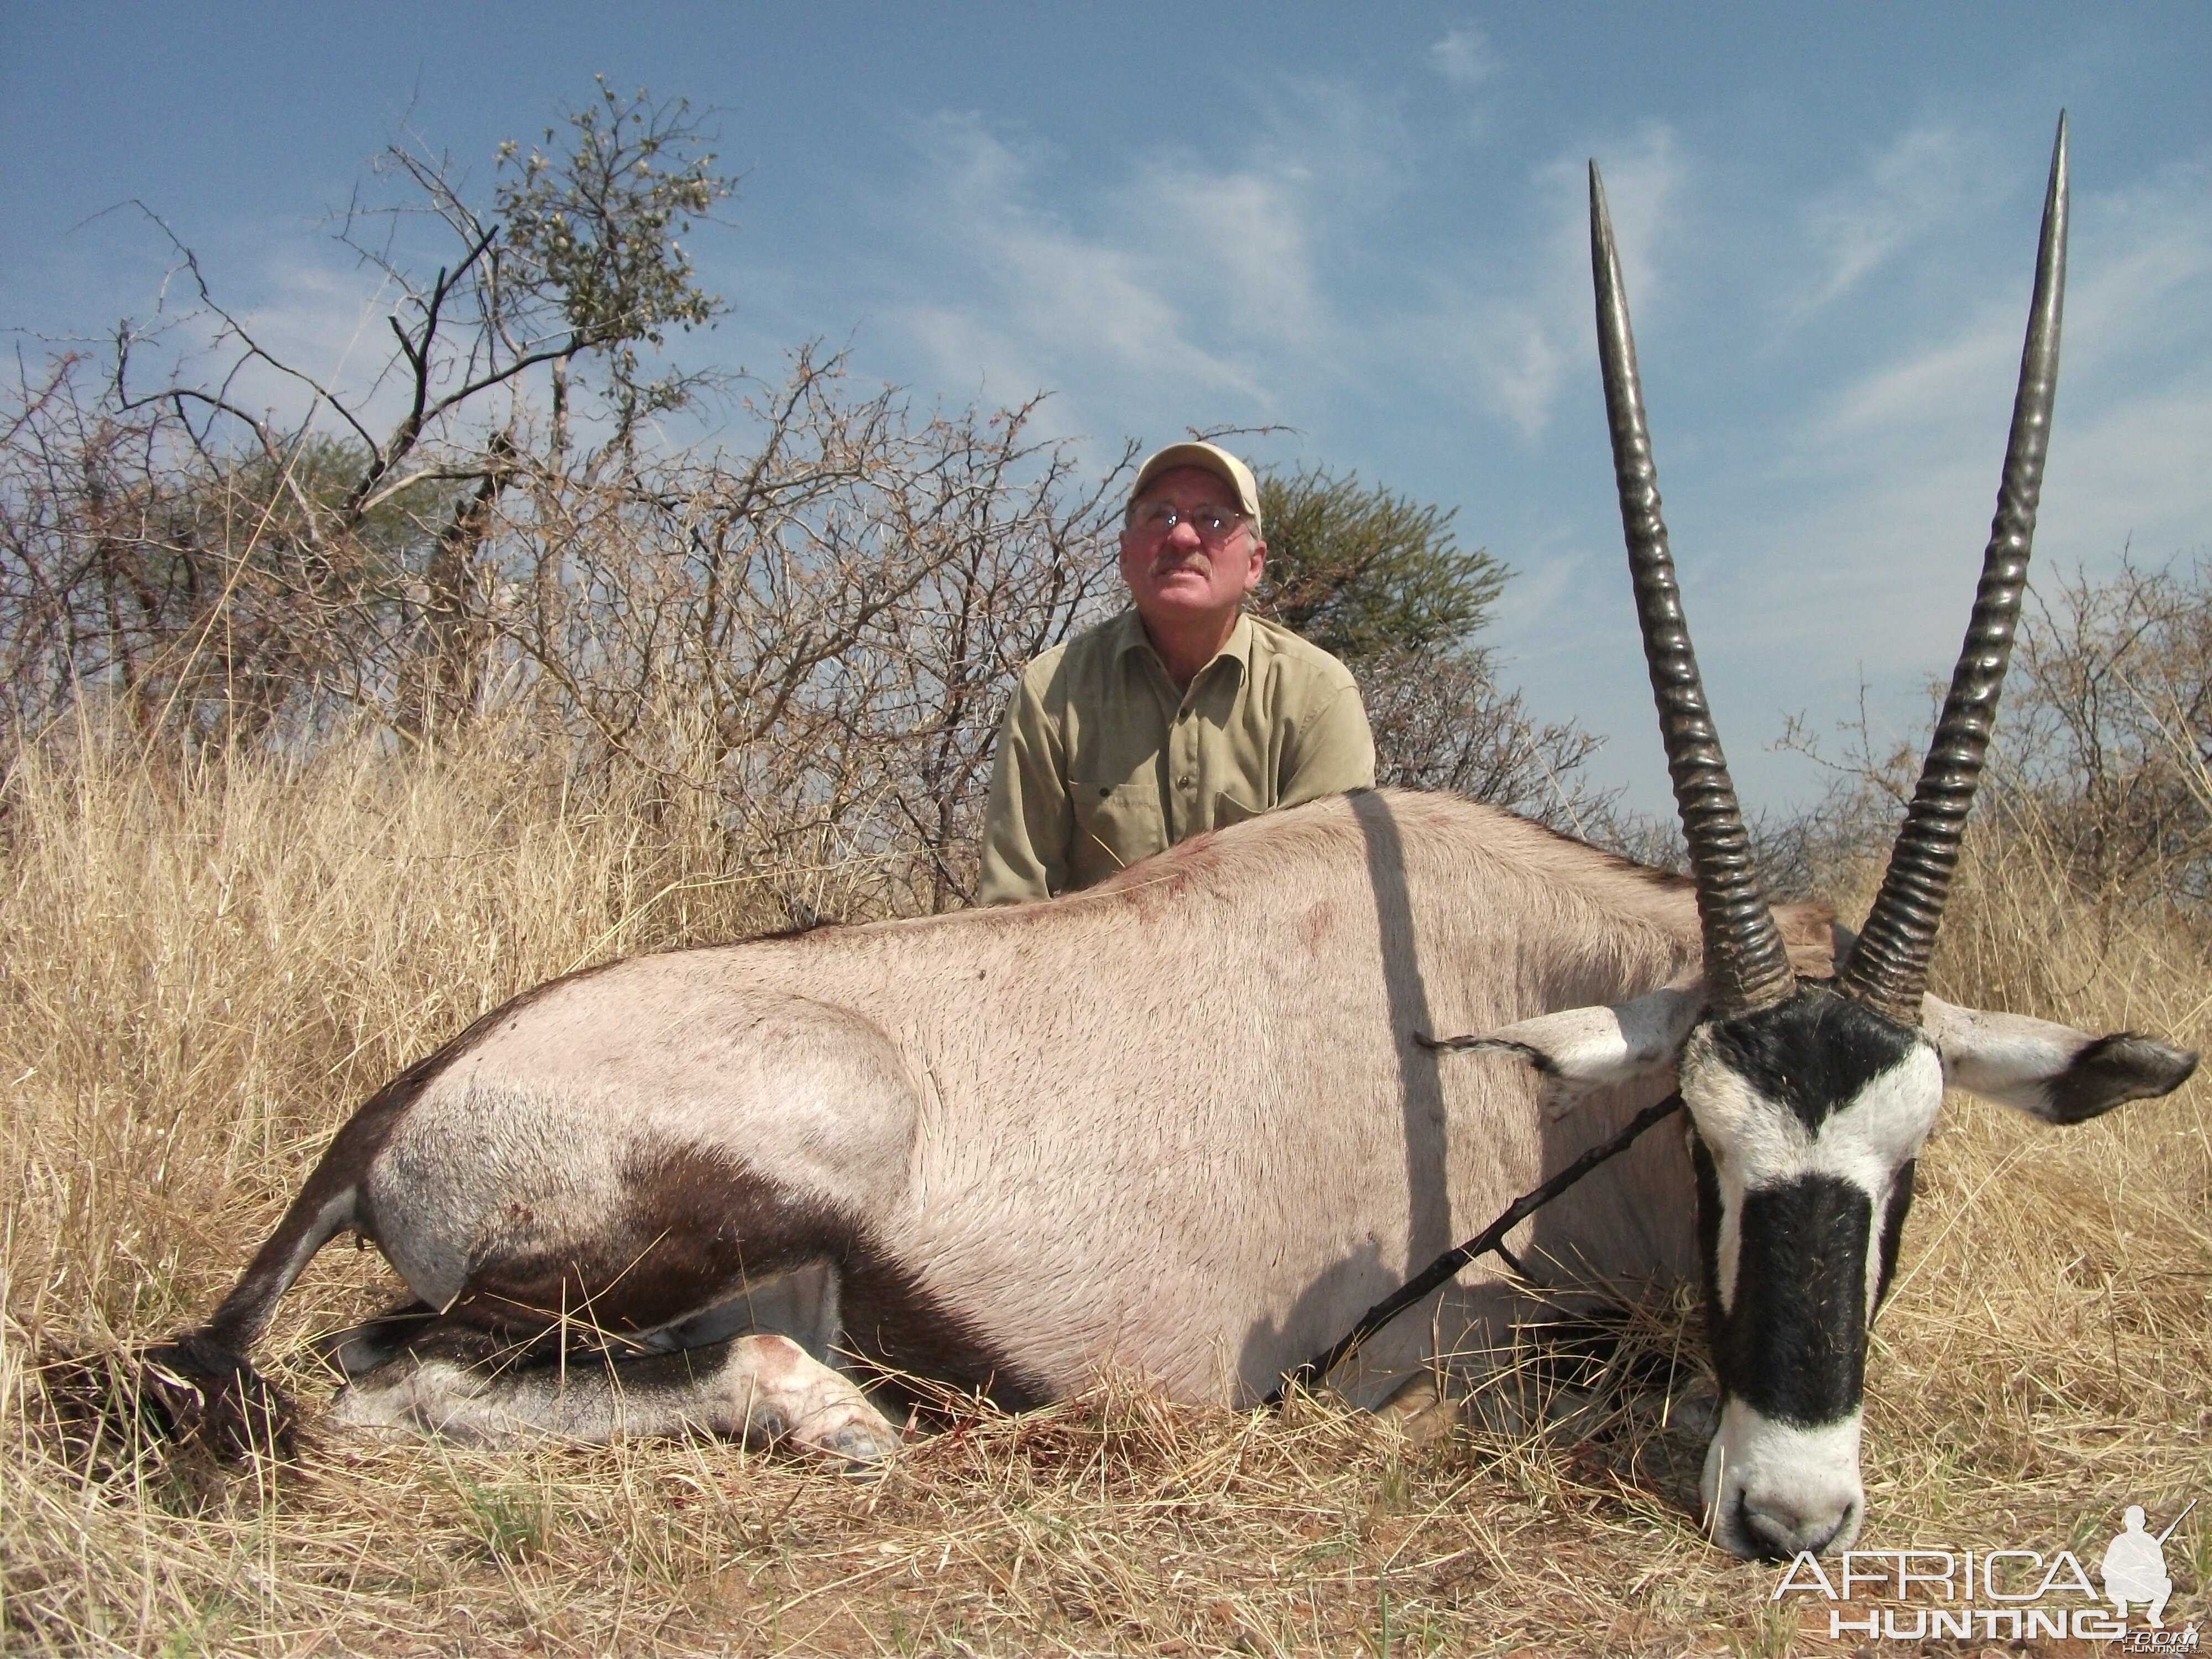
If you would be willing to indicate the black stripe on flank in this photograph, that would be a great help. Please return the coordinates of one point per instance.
(1814, 1053)
(695, 1224)
(1793, 1342)
(892, 1320)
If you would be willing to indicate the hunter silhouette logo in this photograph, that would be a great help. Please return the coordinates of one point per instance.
(2001, 1594)
(2135, 1566)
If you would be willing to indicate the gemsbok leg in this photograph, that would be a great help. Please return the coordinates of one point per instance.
(449, 1382)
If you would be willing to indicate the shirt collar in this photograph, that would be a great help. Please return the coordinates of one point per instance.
(1129, 635)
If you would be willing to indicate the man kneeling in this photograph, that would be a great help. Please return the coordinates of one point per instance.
(1184, 713)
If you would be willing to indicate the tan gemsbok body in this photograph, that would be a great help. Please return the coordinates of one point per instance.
(1184, 1124)
(1181, 1124)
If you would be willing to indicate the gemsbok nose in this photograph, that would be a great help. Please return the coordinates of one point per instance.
(1778, 1525)
(1771, 1490)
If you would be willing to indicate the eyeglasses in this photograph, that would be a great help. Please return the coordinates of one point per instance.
(1214, 524)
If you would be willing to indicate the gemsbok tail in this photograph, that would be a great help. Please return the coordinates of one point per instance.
(200, 1388)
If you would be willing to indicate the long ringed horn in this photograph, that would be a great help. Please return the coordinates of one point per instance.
(1746, 965)
(1888, 970)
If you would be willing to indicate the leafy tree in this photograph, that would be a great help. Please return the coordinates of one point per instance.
(590, 229)
(1381, 580)
(575, 263)
(1361, 571)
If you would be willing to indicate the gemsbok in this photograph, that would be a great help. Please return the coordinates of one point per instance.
(1189, 1123)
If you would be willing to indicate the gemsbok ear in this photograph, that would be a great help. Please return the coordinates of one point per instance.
(2048, 1071)
(1581, 1051)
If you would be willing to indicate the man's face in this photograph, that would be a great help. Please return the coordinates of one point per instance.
(1179, 577)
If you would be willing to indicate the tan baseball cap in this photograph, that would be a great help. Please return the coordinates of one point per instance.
(1215, 459)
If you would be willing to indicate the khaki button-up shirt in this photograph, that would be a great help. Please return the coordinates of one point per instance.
(1102, 761)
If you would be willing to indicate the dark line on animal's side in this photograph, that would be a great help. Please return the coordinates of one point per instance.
(1428, 1204)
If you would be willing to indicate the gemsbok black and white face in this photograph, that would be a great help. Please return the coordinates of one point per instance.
(1808, 1100)
(1810, 1116)
(1806, 1115)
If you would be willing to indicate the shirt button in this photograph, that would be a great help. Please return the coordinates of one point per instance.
(1186, 783)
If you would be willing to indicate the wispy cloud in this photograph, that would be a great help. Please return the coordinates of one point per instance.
(1253, 230)
(2133, 445)
(1264, 282)
(325, 315)
(1516, 331)
(1832, 495)
(1914, 184)
(1463, 57)
(1895, 469)
(315, 310)
(1039, 301)
(1198, 283)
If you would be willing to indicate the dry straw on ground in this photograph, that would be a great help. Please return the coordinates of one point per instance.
(205, 968)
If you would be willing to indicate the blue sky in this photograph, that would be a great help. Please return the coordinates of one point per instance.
(1360, 224)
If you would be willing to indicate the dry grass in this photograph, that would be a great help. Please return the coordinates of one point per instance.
(205, 968)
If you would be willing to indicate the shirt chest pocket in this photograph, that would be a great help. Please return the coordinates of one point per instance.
(1116, 825)
(1228, 810)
